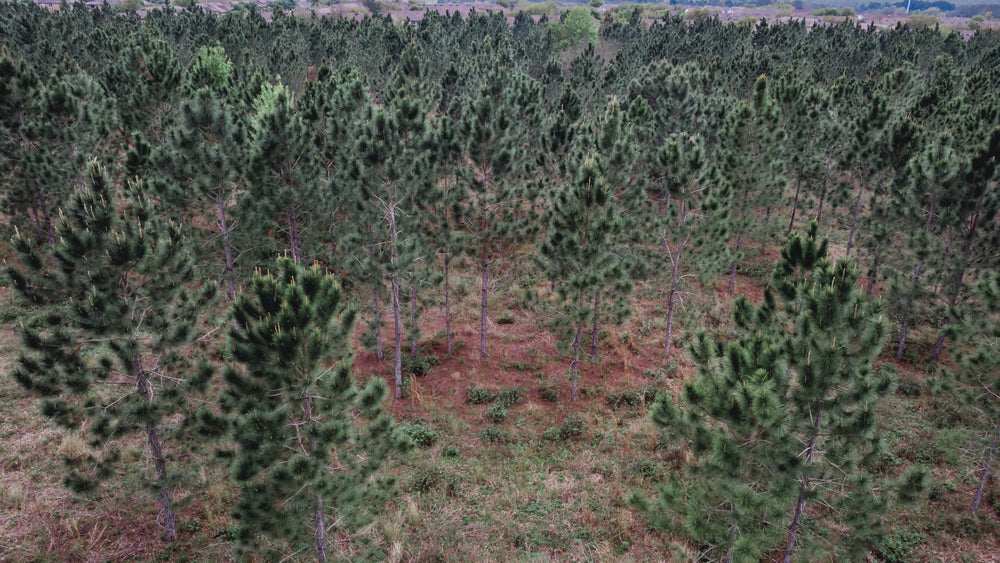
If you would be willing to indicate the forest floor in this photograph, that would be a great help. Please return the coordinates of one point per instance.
(550, 482)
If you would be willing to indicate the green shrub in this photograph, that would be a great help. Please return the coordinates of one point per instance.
(510, 397)
(505, 319)
(450, 452)
(479, 396)
(920, 21)
(425, 479)
(493, 435)
(825, 12)
(572, 427)
(549, 394)
(420, 434)
(900, 546)
(497, 413)
(420, 365)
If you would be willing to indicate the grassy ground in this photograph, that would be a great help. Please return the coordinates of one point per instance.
(546, 481)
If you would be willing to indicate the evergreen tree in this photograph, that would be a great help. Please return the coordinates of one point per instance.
(304, 463)
(977, 380)
(284, 180)
(390, 178)
(496, 128)
(784, 416)
(751, 133)
(203, 158)
(122, 303)
(697, 203)
(579, 251)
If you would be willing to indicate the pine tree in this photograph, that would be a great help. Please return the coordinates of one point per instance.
(749, 161)
(203, 157)
(49, 132)
(696, 199)
(496, 127)
(784, 416)
(304, 463)
(389, 179)
(579, 251)
(123, 301)
(977, 379)
(284, 180)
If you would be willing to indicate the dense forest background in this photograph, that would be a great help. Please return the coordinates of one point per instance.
(579, 288)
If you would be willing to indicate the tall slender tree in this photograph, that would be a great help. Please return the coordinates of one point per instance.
(123, 302)
(304, 463)
(784, 417)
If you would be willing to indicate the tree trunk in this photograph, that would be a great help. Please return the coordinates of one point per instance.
(985, 475)
(447, 307)
(854, 220)
(293, 236)
(397, 325)
(44, 209)
(873, 275)
(376, 314)
(795, 204)
(320, 530)
(904, 328)
(732, 271)
(597, 323)
(574, 367)
(484, 265)
(228, 249)
(800, 506)
(156, 451)
(957, 288)
(414, 318)
(672, 299)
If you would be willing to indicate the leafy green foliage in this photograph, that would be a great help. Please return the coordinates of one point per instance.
(294, 418)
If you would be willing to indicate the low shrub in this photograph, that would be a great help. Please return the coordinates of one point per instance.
(510, 397)
(497, 413)
(420, 434)
(479, 396)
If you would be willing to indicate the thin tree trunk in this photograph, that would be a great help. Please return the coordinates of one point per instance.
(447, 306)
(957, 289)
(376, 318)
(854, 218)
(574, 367)
(44, 208)
(874, 272)
(904, 328)
(484, 265)
(672, 300)
(763, 239)
(822, 194)
(732, 271)
(228, 249)
(293, 236)
(156, 451)
(397, 361)
(984, 476)
(795, 204)
(793, 528)
(414, 318)
(320, 530)
(597, 322)
(376, 314)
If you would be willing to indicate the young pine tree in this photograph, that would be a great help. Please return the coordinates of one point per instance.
(977, 379)
(784, 417)
(580, 250)
(304, 462)
(123, 302)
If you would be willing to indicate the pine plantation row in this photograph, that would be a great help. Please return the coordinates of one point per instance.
(208, 214)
